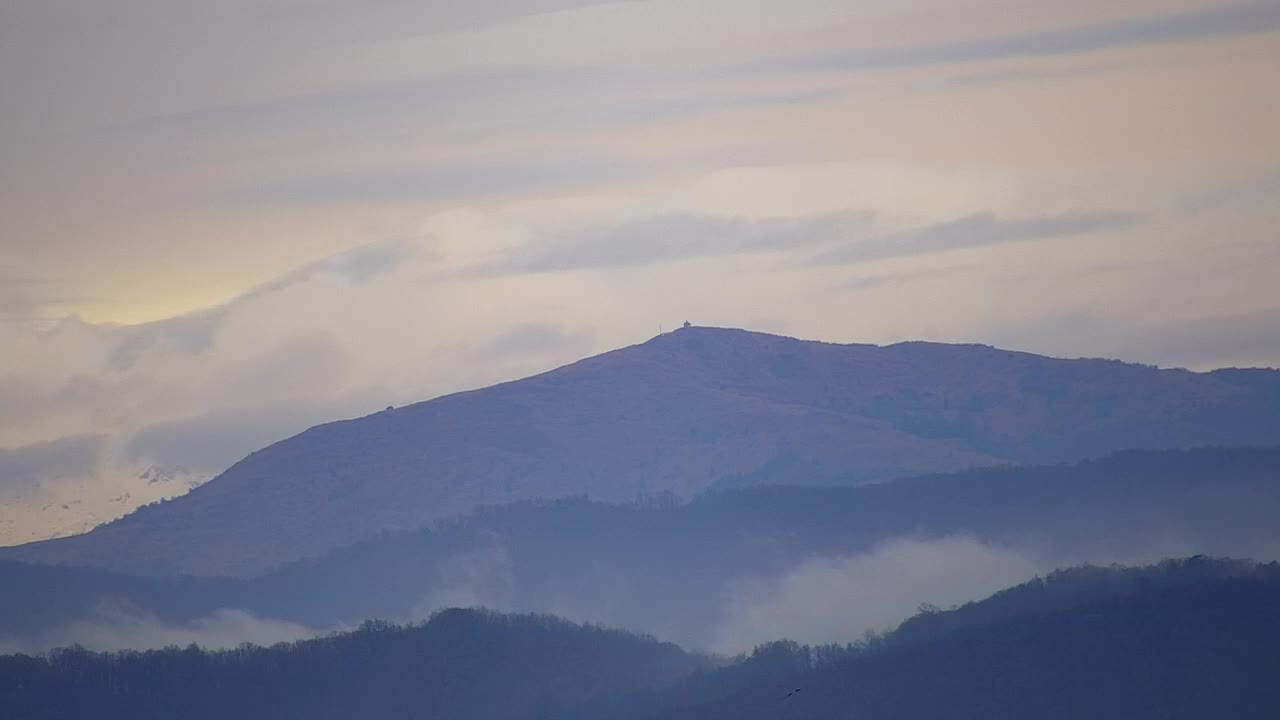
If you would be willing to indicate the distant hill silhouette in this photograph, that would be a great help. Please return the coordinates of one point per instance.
(461, 664)
(1186, 639)
(1187, 651)
(671, 569)
(689, 410)
(1189, 639)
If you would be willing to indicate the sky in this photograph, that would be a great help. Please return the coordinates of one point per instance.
(223, 222)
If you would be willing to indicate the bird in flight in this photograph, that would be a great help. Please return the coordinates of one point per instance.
(793, 692)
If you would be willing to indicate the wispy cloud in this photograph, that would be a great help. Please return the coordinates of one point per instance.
(23, 469)
(839, 599)
(211, 442)
(849, 238)
(357, 266)
(1245, 18)
(430, 183)
(537, 337)
(113, 627)
(978, 230)
(1016, 75)
(673, 237)
(24, 294)
(860, 283)
(1262, 188)
(195, 332)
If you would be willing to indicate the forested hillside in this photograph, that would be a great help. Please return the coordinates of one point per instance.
(462, 663)
(1189, 639)
(1193, 651)
(672, 569)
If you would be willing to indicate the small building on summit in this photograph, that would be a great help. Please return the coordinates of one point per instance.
(687, 324)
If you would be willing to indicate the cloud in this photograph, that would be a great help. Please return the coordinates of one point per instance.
(187, 397)
(1239, 339)
(460, 108)
(1257, 189)
(192, 333)
(537, 338)
(210, 443)
(1014, 75)
(855, 236)
(495, 356)
(838, 599)
(195, 332)
(18, 401)
(1259, 16)
(113, 627)
(977, 230)
(482, 176)
(1230, 340)
(24, 293)
(357, 266)
(872, 281)
(288, 373)
(374, 19)
(436, 182)
(23, 469)
(479, 576)
(672, 237)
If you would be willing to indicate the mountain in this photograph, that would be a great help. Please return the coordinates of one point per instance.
(676, 570)
(461, 663)
(690, 410)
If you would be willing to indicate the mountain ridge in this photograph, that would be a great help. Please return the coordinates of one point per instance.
(459, 663)
(1193, 650)
(676, 414)
(673, 569)
(1189, 638)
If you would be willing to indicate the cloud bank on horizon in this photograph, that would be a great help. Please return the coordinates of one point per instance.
(223, 223)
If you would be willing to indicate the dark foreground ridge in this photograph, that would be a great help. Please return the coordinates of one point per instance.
(1195, 650)
(462, 663)
(1185, 639)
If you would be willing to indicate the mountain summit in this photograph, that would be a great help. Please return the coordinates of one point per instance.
(685, 412)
